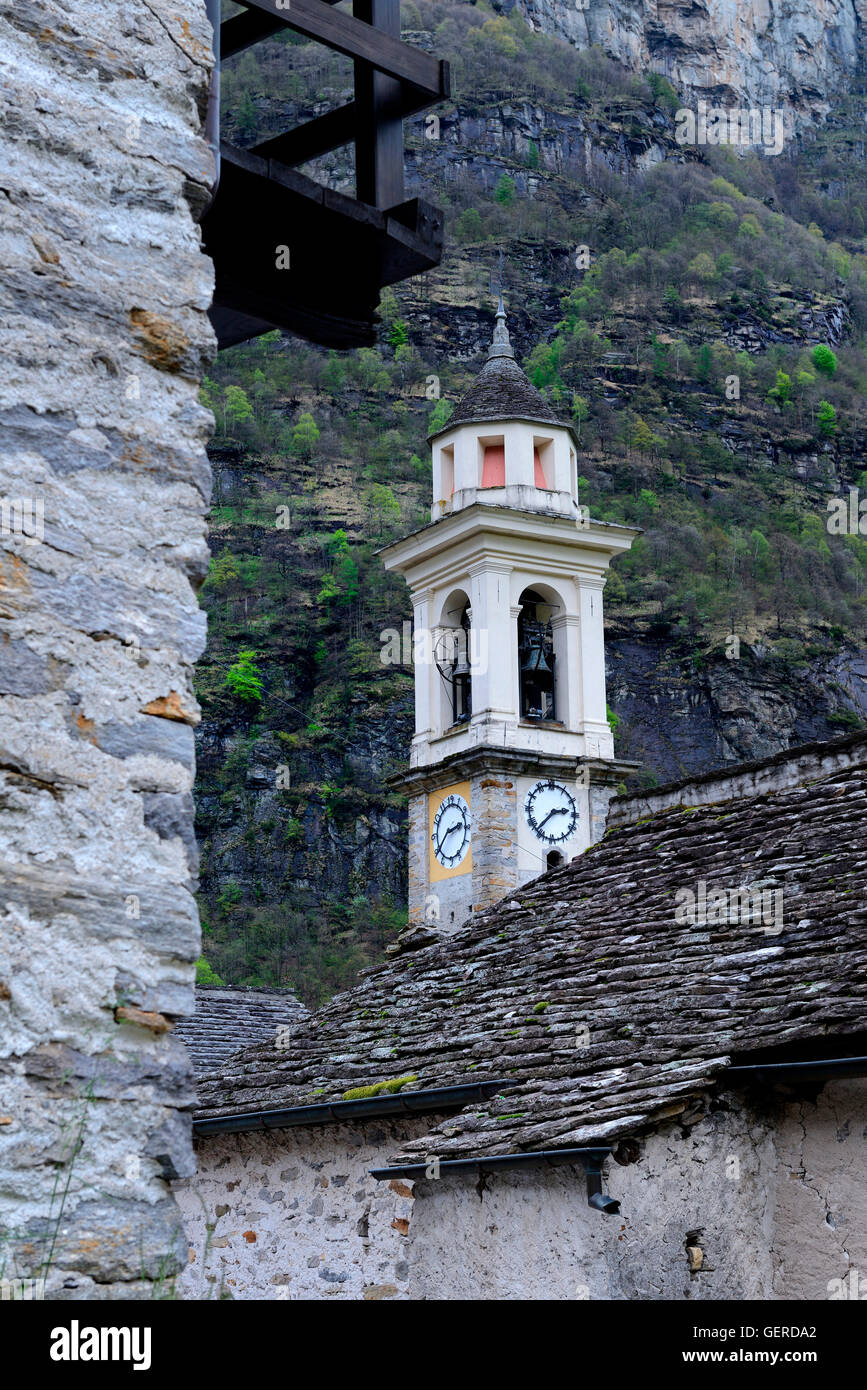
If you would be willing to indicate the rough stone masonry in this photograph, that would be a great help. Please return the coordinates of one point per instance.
(104, 486)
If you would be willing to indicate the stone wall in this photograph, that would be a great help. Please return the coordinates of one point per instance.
(795, 767)
(748, 1197)
(532, 1235)
(104, 341)
(296, 1214)
(820, 1230)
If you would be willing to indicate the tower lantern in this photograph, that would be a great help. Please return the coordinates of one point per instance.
(512, 763)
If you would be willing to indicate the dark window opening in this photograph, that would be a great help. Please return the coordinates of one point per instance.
(536, 658)
(452, 654)
(554, 860)
(462, 680)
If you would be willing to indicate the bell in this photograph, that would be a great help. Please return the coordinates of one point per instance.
(535, 660)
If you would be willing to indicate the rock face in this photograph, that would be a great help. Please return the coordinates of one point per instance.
(788, 54)
(102, 545)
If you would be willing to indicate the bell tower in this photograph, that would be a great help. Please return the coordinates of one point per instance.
(512, 763)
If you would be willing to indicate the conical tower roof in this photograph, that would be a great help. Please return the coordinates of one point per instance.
(502, 390)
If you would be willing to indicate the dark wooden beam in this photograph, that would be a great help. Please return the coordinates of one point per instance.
(379, 136)
(341, 253)
(313, 138)
(246, 29)
(339, 127)
(346, 34)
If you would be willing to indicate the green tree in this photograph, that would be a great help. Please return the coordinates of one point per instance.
(781, 393)
(824, 360)
(663, 93)
(244, 678)
(704, 362)
(580, 411)
(701, 267)
(827, 419)
(543, 365)
(439, 416)
(504, 193)
(305, 436)
(761, 552)
(333, 374)
(398, 334)
(661, 358)
(224, 571)
(673, 302)
(382, 505)
(248, 117)
(469, 225)
(644, 440)
(205, 975)
(237, 405)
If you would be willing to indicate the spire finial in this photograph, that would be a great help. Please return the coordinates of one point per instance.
(500, 344)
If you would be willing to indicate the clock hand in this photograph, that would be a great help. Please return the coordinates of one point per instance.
(557, 811)
(451, 830)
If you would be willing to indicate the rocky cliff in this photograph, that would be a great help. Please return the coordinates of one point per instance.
(796, 55)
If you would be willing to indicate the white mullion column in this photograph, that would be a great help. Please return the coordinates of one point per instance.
(423, 666)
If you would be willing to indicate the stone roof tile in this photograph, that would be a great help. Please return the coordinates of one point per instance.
(229, 1018)
(501, 391)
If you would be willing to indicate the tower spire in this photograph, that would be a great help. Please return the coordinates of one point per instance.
(500, 344)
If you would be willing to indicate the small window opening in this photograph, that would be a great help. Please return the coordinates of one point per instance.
(536, 658)
(453, 663)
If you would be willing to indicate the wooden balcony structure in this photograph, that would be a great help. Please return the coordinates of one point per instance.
(340, 251)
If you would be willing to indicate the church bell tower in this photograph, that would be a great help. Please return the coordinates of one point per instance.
(512, 764)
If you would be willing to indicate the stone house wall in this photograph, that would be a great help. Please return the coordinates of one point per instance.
(820, 1230)
(105, 485)
(295, 1214)
(746, 1199)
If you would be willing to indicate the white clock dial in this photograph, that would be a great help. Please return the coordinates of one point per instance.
(451, 831)
(551, 812)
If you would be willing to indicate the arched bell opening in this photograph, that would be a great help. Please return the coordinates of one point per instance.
(536, 657)
(452, 654)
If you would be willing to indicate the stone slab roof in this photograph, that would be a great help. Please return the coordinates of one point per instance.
(229, 1018)
(501, 391)
(586, 990)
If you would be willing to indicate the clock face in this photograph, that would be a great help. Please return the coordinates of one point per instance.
(451, 831)
(551, 812)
